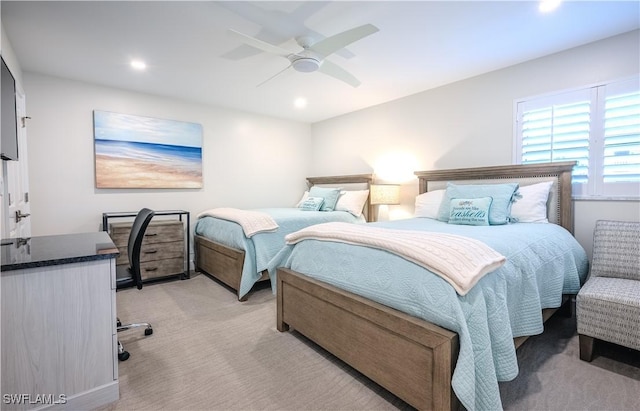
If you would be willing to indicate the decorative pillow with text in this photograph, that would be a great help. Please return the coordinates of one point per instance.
(470, 211)
(312, 204)
(502, 195)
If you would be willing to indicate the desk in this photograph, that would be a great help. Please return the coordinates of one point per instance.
(179, 213)
(59, 342)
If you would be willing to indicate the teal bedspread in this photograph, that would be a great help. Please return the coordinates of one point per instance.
(544, 261)
(262, 247)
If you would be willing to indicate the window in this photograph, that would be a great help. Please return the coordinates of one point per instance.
(599, 127)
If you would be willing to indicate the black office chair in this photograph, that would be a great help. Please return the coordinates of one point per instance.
(129, 276)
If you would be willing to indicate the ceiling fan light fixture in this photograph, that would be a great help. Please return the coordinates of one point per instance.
(305, 64)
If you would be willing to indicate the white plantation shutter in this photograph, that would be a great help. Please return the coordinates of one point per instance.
(558, 133)
(621, 151)
(599, 127)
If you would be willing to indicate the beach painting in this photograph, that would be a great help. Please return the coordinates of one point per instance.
(143, 152)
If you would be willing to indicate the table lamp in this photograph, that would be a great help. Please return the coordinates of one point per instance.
(384, 195)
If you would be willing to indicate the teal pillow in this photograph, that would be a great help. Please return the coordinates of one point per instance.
(470, 211)
(502, 195)
(312, 204)
(330, 196)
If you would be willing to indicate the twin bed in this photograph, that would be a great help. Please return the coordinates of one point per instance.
(405, 326)
(224, 252)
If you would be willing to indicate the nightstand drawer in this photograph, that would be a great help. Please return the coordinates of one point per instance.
(157, 232)
(161, 268)
(157, 251)
(162, 251)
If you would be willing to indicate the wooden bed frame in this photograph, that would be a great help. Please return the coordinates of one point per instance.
(410, 357)
(225, 263)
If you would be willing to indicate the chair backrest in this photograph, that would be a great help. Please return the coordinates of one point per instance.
(136, 236)
(616, 249)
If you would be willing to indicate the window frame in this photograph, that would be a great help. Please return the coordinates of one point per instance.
(594, 188)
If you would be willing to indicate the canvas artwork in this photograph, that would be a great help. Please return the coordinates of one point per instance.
(143, 152)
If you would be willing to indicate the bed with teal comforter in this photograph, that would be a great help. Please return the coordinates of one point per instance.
(262, 247)
(544, 261)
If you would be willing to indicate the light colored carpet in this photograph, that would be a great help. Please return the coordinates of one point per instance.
(211, 352)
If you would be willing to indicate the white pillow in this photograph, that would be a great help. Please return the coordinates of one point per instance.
(303, 199)
(428, 204)
(352, 201)
(532, 207)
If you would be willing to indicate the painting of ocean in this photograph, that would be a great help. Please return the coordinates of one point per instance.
(143, 152)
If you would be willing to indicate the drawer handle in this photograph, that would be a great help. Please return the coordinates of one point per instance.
(151, 252)
(151, 235)
(151, 269)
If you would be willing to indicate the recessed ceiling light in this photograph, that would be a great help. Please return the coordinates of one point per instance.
(300, 102)
(138, 64)
(548, 5)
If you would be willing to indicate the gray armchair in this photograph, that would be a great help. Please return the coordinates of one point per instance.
(608, 305)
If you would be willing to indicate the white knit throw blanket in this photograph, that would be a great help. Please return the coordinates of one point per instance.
(459, 260)
(252, 222)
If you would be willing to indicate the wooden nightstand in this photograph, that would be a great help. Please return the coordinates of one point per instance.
(163, 253)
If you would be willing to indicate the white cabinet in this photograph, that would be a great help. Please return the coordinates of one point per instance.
(59, 343)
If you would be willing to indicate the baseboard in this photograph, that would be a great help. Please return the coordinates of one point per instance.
(89, 400)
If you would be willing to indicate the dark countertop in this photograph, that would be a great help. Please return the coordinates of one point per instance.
(20, 253)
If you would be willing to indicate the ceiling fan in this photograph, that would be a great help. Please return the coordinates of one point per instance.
(313, 55)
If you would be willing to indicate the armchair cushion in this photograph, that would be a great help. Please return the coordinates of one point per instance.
(609, 309)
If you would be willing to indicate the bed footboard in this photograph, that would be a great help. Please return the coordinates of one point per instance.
(411, 358)
(219, 261)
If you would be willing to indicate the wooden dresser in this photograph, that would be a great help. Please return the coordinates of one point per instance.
(163, 249)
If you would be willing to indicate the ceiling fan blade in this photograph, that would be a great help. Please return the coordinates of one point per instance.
(259, 44)
(339, 41)
(275, 75)
(277, 26)
(244, 50)
(339, 73)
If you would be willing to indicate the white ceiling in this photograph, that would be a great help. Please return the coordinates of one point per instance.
(191, 56)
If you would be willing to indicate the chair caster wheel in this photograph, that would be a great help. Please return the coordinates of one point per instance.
(123, 356)
(148, 331)
(119, 323)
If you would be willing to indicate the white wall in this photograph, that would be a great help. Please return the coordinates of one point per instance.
(10, 58)
(469, 123)
(248, 160)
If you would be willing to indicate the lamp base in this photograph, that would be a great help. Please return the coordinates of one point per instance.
(382, 212)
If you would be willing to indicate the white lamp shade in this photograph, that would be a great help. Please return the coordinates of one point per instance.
(385, 194)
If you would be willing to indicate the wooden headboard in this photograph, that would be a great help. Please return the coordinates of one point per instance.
(560, 207)
(350, 182)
